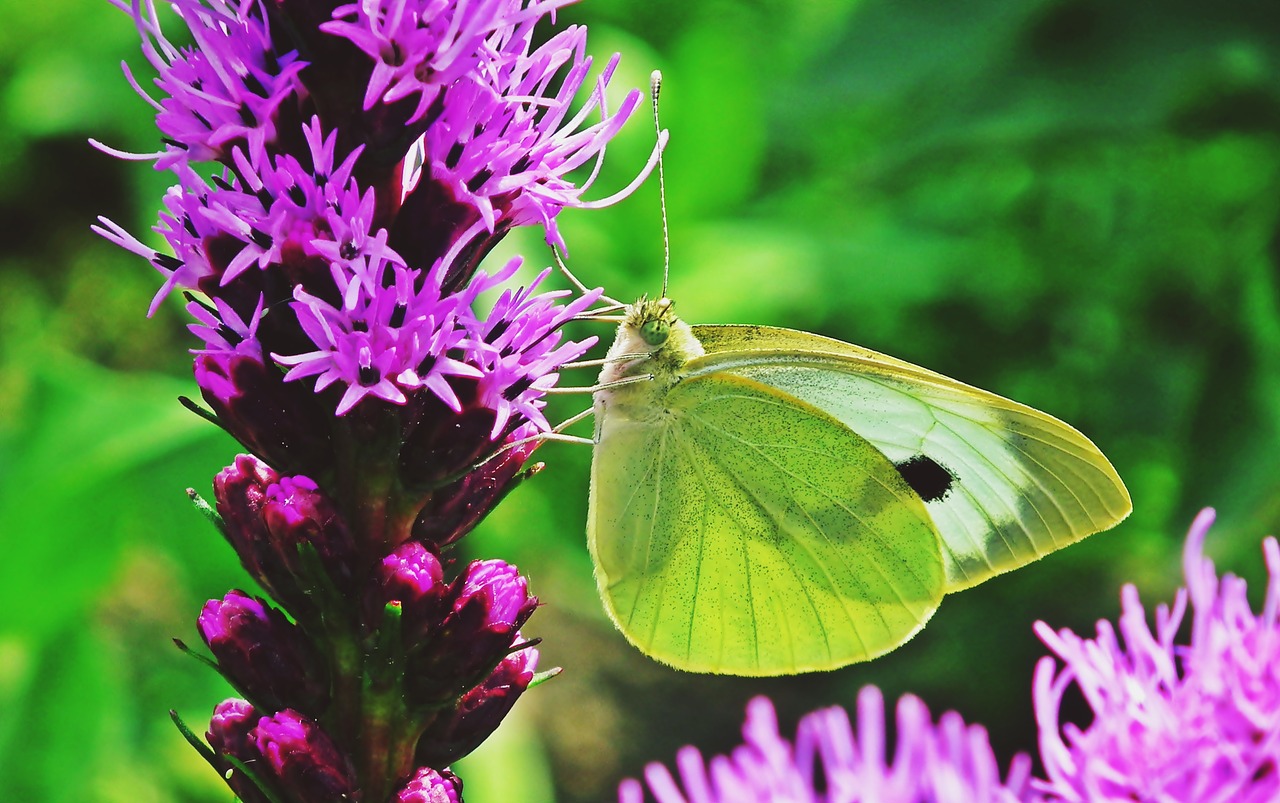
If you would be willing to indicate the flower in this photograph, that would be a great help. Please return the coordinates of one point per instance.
(270, 520)
(454, 510)
(490, 603)
(343, 247)
(1194, 722)
(412, 577)
(230, 737)
(340, 172)
(831, 763)
(223, 93)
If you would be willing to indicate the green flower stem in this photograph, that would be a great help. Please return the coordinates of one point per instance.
(388, 731)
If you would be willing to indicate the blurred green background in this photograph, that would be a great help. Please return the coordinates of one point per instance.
(1071, 202)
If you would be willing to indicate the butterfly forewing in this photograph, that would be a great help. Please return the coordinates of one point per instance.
(745, 531)
(1004, 483)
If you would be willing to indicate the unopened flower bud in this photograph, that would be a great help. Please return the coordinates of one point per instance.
(491, 602)
(229, 728)
(229, 735)
(269, 519)
(239, 492)
(440, 441)
(411, 575)
(264, 653)
(430, 786)
(303, 759)
(274, 419)
(297, 513)
(479, 712)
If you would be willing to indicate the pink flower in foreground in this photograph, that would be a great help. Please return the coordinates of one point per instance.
(1175, 722)
(831, 761)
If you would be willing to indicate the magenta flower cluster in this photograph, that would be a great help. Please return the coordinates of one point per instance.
(341, 171)
(1172, 721)
(828, 764)
(1185, 722)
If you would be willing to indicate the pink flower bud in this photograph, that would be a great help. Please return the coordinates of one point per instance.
(430, 786)
(304, 761)
(412, 576)
(264, 653)
(491, 602)
(230, 736)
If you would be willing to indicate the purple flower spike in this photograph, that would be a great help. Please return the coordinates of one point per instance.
(303, 759)
(830, 763)
(479, 712)
(1170, 722)
(411, 575)
(490, 604)
(430, 786)
(340, 171)
(263, 652)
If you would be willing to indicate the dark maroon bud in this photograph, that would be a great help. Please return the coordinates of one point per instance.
(439, 442)
(304, 761)
(263, 653)
(423, 245)
(411, 575)
(270, 519)
(479, 712)
(230, 736)
(283, 422)
(430, 786)
(239, 492)
(455, 510)
(491, 602)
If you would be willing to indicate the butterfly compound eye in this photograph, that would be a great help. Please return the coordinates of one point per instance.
(655, 331)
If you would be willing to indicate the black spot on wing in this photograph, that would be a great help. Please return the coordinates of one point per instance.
(928, 478)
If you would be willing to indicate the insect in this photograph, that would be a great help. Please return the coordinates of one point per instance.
(767, 501)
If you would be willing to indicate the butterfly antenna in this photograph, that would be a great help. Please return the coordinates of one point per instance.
(655, 88)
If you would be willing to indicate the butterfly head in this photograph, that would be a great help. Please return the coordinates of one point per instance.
(652, 341)
(653, 320)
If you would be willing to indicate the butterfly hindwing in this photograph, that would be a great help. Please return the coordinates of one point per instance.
(1004, 483)
(746, 531)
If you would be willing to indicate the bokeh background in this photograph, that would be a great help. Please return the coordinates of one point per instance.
(1074, 203)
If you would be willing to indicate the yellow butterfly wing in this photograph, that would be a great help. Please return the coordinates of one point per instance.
(740, 530)
(1005, 484)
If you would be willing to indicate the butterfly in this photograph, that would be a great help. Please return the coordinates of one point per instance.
(767, 501)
